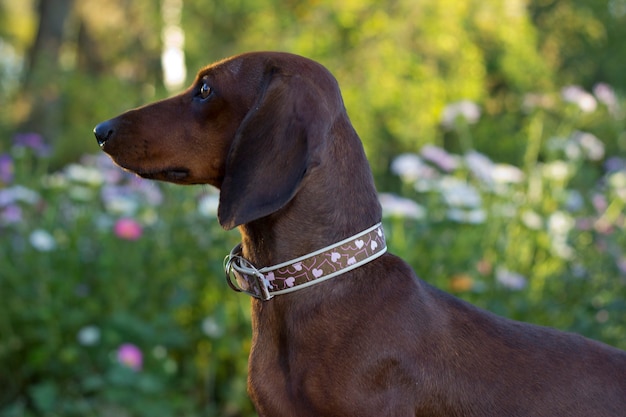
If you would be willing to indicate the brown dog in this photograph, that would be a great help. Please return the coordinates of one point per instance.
(271, 132)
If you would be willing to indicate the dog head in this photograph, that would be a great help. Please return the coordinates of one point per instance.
(251, 125)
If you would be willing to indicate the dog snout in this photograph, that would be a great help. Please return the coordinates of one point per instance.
(104, 131)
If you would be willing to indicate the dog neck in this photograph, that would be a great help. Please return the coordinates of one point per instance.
(337, 199)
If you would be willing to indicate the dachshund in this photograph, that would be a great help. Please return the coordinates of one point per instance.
(356, 333)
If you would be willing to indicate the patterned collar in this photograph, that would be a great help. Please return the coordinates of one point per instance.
(306, 270)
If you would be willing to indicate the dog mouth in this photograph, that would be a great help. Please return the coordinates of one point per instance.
(176, 175)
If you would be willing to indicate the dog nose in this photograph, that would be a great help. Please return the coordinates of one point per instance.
(103, 132)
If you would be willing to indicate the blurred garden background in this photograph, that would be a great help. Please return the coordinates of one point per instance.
(495, 130)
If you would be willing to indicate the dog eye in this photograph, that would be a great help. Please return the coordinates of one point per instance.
(205, 91)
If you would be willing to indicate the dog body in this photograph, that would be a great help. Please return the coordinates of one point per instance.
(271, 132)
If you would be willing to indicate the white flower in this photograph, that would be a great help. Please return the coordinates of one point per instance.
(465, 109)
(110, 173)
(88, 335)
(119, 200)
(480, 165)
(207, 205)
(561, 248)
(423, 185)
(83, 174)
(576, 95)
(472, 216)
(491, 173)
(394, 205)
(572, 150)
(556, 170)
(511, 280)
(507, 174)
(591, 146)
(618, 179)
(457, 193)
(606, 95)
(211, 327)
(560, 223)
(532, 220)
(18, 193)
(42, 240)
(410, 167)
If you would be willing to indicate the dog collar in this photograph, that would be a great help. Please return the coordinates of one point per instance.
(316, 267)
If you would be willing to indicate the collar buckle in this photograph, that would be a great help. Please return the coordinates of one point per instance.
(244, 277)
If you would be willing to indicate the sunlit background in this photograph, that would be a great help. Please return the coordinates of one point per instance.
(495, 130)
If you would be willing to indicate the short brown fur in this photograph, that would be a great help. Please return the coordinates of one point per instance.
(272, 134)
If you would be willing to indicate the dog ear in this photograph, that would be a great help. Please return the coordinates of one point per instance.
(272, 150)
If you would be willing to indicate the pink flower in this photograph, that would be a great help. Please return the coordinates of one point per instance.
(127, 229)
(130, 355)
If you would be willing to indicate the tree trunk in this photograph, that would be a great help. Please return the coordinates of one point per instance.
(43, 73)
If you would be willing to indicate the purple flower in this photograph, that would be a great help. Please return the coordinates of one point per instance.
(6, 169)
(18, 193)
(33, 141)
(110, 173)
(119, 199)
(509, 279)
(130, 356)
(11, 214)
(147, 189)
(440, 157)
(599, 203)
(615, 163)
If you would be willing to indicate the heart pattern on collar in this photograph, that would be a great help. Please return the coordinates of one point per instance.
(310, 269)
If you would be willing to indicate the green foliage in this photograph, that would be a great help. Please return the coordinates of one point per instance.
(80, 287)
(95, 262)
(398, 64)
(92, 260)
(543, 244)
